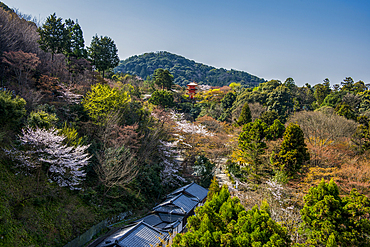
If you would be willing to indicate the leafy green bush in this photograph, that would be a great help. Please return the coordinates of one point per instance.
(102, 100)
(163, 98)
(223, 221)
(41, 119)
(12, 109)
(329, 218)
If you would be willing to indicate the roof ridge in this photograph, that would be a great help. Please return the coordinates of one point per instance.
(126, 233)
(152, 227)
(171, 200)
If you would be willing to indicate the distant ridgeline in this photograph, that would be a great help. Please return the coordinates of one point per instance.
(184, 70)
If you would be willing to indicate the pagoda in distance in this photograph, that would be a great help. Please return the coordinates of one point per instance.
(192, 89)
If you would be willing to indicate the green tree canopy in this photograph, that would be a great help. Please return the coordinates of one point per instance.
(333, 99)
(269, 117)
(321, 91)
(290, 83)
(53, 35)
(12, 110)
(276, 130)
(103, 100)
(223, 221)
(293, 152)
(204, 169)
(103, 53)
(75, 44)
(331, 219)
(41, 119)
(228, 100)
(245, 115)
(163, 78)
(346, 111)
(252, 143)
(213, 188)
(280, 100)
(347, 84)
(163, 98)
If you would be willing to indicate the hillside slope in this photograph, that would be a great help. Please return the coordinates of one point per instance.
(184, 70)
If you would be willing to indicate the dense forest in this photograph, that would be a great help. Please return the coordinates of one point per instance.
(80, 144)
(184, 70)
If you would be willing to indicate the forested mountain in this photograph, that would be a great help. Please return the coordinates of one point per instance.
(184, 70)
(78, 146)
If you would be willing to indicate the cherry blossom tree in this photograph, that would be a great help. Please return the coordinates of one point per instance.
(44, 150)
(170, 172)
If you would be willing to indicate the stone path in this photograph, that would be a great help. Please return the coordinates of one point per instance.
(220, 174)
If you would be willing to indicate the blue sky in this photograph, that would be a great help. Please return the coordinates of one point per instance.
(308, 40)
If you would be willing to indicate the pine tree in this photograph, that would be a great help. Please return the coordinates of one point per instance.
(276, 130)
(103, 53)
(252, 143)
(293, 152)
(245, 115)
(213, 188)
(223, 221)
(53, 35)
(331, 220)
(75, 44)
(163, 78)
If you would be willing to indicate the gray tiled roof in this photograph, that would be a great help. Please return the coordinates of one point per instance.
(140, 235)
(161, 220)
(151, 219)
(172, 225)
(192, 189)
(170, 217)
(169, 209)
(110, 240)
(180, 204)
(162, 225)
(197, 191)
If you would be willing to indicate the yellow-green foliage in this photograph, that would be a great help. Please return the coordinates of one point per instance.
(102, 100)
(41, 119)
(71, 135)
(11, 109)
(212, 95)
(236, 87)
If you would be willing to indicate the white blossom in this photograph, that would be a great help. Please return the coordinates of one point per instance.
(276, 189)
(45, 147)
(169, 150)
(204, 87)
(185, 126)
(169, 174)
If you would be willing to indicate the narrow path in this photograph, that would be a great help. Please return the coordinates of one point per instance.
(220, 174)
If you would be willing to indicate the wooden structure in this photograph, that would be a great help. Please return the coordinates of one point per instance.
(192, 89)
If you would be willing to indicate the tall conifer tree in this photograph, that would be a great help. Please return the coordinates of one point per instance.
(53, 35)
(245, 115)
(103, 53)
(293, 152)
